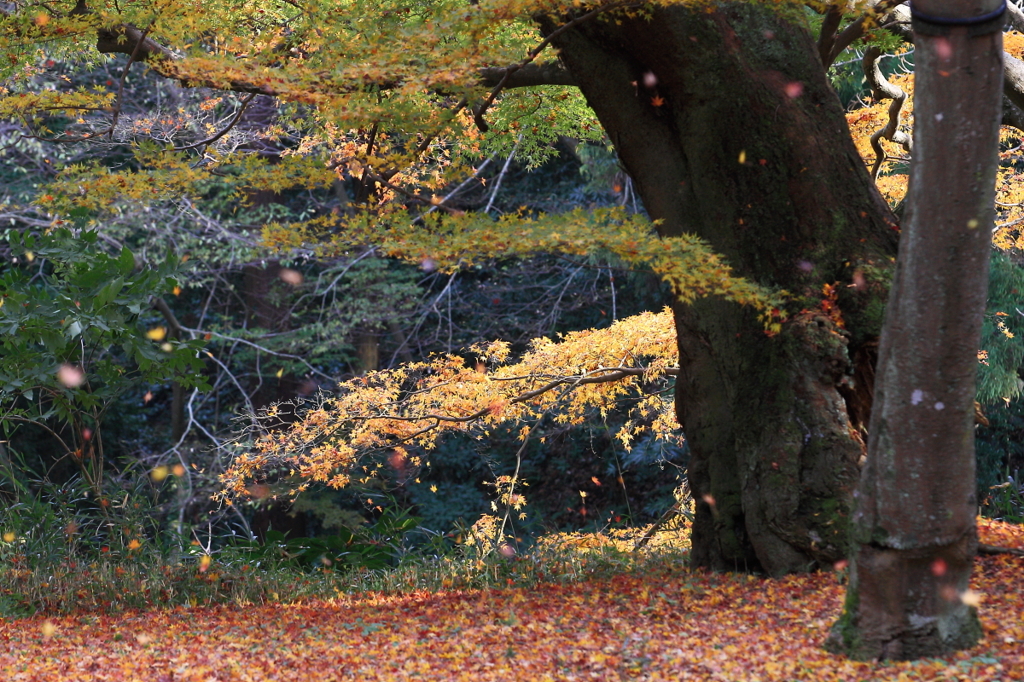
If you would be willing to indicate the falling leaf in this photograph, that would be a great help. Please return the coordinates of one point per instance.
(971, 598)
(9, 537)
(159, 473)
(48, 629)
(147, 398)
(289, 276)
(134, 545)
(794, 89)
(657, 101)
(156, 333)
(204, 563)
(70, 376)
(743, 156)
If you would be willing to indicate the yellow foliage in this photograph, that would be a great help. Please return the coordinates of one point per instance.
(414, 405)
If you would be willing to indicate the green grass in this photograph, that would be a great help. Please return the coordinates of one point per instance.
(143, 578)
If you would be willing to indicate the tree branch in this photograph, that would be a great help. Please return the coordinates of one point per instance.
(993, 549)
(479, 111)
(128, 40)
(883, 89)
(231, 124)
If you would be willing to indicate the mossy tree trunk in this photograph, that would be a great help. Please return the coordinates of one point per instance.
(725, 120)
(914, 525)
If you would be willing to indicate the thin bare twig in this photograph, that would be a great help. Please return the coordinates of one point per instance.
(501, 175)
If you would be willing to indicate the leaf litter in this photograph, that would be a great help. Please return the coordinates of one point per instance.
(669, 625)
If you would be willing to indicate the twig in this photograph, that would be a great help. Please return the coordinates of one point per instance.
(501, 175)
(262, 349)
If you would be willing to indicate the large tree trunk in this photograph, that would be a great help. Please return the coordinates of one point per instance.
(724, 119)
(914, 523)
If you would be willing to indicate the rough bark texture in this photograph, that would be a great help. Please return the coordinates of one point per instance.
(725, 120)
(914, 523)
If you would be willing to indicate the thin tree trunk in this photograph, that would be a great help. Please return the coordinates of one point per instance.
(368, 351)
(915, 519)
(724, 118)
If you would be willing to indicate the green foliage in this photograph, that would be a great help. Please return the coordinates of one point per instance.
(80, 306)
(530, 120)
(1002, 334)
(999, 447)
(375, 547)
(72, 338)
(73, 341)
(1005, 501)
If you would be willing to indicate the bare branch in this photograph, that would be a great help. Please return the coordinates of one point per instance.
(528, 76)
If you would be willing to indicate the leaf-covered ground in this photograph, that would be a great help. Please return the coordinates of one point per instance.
(679, 625)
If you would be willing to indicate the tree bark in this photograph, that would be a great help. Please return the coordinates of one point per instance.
(915, 520)
(726, 122)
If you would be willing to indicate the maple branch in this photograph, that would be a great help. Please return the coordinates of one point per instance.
(610, 374)
(127, 39)
(412, 196)
(231, 124)
(527, 76)
(569, 383)
(479, 111)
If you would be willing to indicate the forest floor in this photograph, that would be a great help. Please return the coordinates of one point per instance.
(669, 625)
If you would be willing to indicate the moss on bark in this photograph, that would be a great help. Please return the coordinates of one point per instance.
(740, 140)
